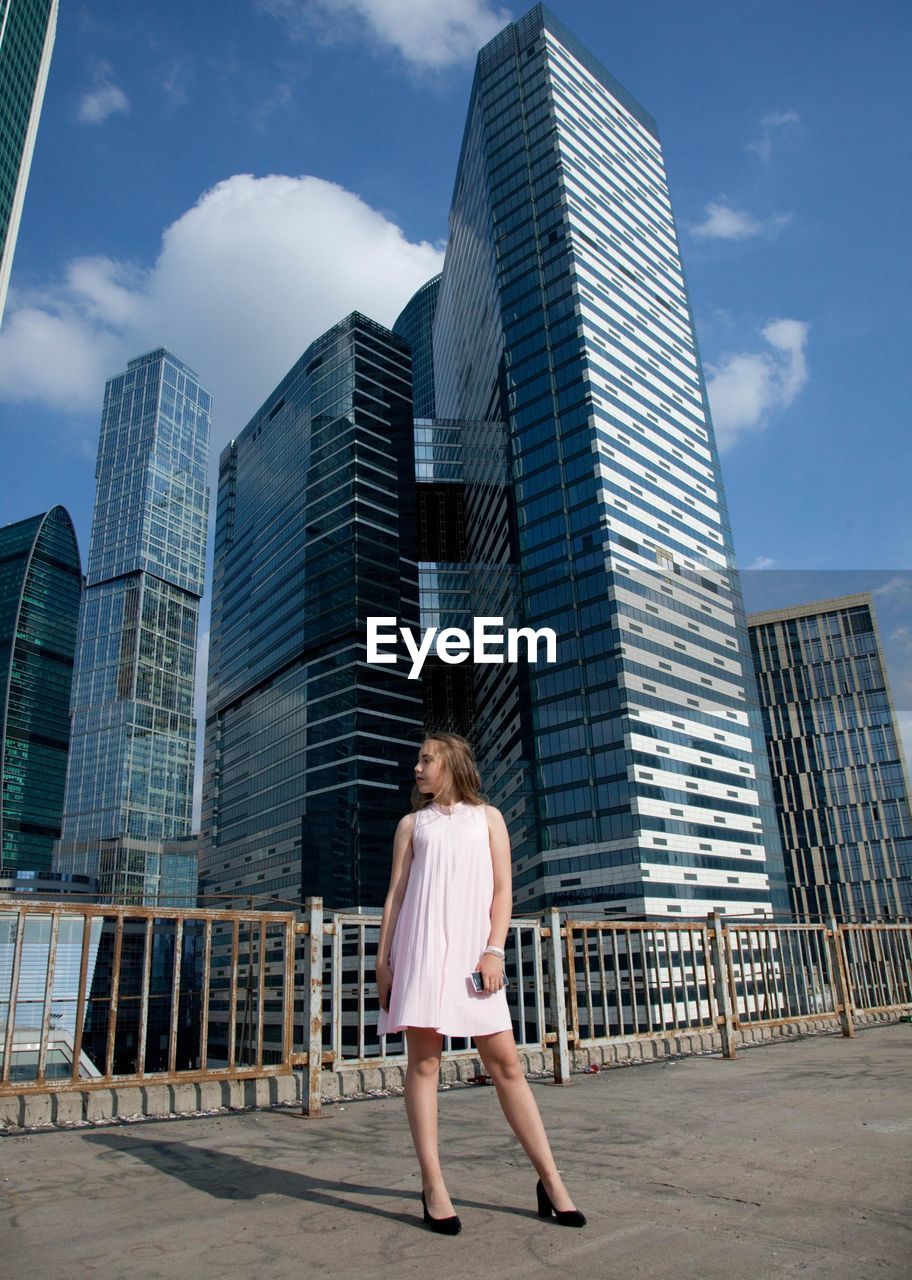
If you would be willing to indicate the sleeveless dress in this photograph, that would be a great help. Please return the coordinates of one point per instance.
(443, 928)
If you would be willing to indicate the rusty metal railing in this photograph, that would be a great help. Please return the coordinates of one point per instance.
(641, 980)
(95, 995)
(878, 965)
(92, 994)
(631, 979)
(785, 973)
(781, 972)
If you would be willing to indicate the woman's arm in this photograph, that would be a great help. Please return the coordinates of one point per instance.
(491, 966)
(402, 861)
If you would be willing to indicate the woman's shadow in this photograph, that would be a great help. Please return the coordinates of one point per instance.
(229, 1177)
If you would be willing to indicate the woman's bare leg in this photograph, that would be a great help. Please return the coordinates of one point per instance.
(421, 1080)
(498, 1053)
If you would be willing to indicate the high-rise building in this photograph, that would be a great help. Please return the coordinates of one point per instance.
(462, 516)
(309, 749)
(27, 30)
(632, 771)
(839, 776)
(130, 777)
(416, 324)
(47, 885)
(40, 585)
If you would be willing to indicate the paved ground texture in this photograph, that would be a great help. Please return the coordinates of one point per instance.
(793, 1160)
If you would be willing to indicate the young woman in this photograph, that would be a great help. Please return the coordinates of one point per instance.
(446, 917)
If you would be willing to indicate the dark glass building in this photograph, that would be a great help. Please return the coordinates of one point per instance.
(130, 775)
(49, 886)
(839, 776)
(632, 771)
(40, 585)
(462, 516)
(27, 30)
(416, 324)
(309, 749)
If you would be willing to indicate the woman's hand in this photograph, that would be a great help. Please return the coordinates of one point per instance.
(384, 976)
(491, 968)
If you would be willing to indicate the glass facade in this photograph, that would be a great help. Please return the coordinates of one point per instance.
(415, 323)
(130, 775)
(839, 776)
(467, 567)
(50, 885)
(40, 585)
(632, 772)
(27, 29)
(309, 749)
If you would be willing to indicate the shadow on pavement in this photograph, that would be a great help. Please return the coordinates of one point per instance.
(229, 1177)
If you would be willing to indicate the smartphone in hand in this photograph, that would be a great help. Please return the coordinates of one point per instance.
(478, 981)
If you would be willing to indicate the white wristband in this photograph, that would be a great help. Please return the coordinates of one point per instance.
(495, 951)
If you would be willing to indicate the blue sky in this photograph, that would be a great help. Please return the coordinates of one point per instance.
(234, 177)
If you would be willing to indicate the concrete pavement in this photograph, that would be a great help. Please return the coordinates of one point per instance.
(792, 1160)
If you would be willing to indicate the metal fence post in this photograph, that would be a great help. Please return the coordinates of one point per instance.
(839, 968)
(558, 1009)
(724, 1015)
(314, 1035)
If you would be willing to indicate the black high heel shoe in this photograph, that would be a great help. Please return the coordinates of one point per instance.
(566, 1217)
(443, 1226)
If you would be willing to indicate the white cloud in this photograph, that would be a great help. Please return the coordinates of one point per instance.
(53, 354)
(428, 33)
(176, 84)
(722, 222)
(245, 280)
(788, 337)
(280, 100)
(773, 123)
(762, 562)
(744, 388)
(897, 589)
(103, 101)
(904, 724)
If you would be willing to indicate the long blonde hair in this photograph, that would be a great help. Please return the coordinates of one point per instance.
(459, 761)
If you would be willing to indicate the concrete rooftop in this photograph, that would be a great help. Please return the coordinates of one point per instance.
(793, 1160)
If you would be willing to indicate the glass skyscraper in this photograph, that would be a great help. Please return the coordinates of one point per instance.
(633, 771)
(40, 585)
(130, 776)
(416, 324)
(466, 568)
(27, 29)
(309, 749)
(840, 781)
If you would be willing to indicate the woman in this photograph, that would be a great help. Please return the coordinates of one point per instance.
(446, 916)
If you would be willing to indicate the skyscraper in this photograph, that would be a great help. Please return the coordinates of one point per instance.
(309, 749)
(40, 585)
(416, 324)
(463, 532)
(27, 30)
(635, 771)
(839, 777)
(130, 777)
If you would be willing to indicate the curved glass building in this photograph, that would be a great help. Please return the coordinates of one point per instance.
(27, 30)
(40, 588)
(416, 324)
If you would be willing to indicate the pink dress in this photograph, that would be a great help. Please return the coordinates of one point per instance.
(443, 928)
